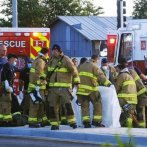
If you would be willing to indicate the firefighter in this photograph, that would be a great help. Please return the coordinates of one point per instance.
(90, 74)
(82, 61)
(108, 70)
(37, 117)
(24, 80)
(59, 72)
(8, 75)
(3, 60)
(141, 96)
(126, 92)
(75, 61)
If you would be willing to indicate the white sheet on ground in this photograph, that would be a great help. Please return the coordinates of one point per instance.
(111, 108)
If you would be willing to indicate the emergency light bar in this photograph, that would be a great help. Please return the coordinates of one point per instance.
(26, 34)
(35, 34)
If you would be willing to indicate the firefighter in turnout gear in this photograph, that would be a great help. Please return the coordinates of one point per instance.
(37, 117)
(59, 72)
(141, 95)
(126, 92)
(90, 74)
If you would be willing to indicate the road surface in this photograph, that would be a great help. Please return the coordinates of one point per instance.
(25, 142)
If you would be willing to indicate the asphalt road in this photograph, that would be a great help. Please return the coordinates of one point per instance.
(25, 142)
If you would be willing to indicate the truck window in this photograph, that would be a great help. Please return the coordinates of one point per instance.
(126, 46)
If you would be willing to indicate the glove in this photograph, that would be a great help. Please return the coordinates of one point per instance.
(112, 86)
(37, 88)
(11, 89)
(20, 95)
(7, 85)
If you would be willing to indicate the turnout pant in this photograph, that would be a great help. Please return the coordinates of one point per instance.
(56, 97)
(95, 99)
(37, 111)
(129, 114)
(5, 107)
(141, 116)
(25, 104)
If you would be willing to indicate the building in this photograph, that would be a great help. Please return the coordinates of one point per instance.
(81, 36)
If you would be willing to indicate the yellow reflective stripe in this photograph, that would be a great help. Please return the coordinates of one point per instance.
(97, 117)
(57, 84)
(54, 123)
(77, 79)
(143, 90)
(82, 93)
(62, 70)
(32, 85)
(63, 118)
(85, 118)
(39, 120)
(128, 83)
(58, 70)
(142, 124)
(107, 82)
(136, 78)
(44, 75)
(132, 96)
(16, 113)
(38, 82)
(1, 115)
(32, 70)
(88, 74)
(7, 116)
(44, 118)
(42, 87)
(32, 119)
(126, 95)
(89, 87)
(71, 120)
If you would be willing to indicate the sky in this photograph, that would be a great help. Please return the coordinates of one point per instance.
(110, 8)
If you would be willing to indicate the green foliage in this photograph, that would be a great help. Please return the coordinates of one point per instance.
(120, 143)
(40, 13)
(140, 9)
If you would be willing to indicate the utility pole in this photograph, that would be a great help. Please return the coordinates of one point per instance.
(120, 13)
(14, 15)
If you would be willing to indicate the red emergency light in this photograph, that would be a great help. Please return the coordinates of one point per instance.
(112, 41)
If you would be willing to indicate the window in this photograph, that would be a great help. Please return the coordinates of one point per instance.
(126, 46)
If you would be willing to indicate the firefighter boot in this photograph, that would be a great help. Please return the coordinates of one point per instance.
(24, 120)
(97, 124)
(17, 120)
(64, 122)
(74, 125)
(87, 125)
(55, 127)
(34, 125)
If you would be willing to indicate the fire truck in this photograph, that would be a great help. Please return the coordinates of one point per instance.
(129, 42)
(25, 43)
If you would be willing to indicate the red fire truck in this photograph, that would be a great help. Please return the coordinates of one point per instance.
(25, 43)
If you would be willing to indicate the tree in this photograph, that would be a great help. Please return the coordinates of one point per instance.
(140, 9)
(40, 13)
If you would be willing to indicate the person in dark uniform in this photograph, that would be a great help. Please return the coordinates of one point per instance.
(23, 93)
(7, 77)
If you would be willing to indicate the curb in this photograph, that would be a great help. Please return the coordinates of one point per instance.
(70, 136)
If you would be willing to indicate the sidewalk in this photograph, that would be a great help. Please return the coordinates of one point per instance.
(92, 135)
